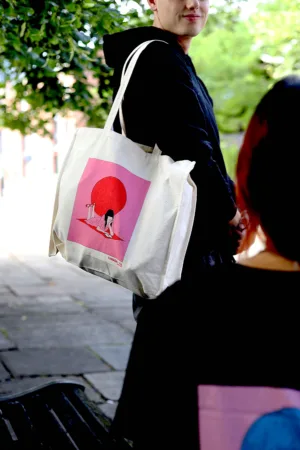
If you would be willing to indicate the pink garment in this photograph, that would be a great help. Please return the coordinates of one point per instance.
(98, 221)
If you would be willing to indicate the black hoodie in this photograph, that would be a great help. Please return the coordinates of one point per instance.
(167, 104)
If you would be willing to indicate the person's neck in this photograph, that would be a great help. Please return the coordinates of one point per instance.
(183, 41)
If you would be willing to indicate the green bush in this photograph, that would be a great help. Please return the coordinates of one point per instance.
(230, 154)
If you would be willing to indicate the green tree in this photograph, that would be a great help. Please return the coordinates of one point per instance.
(226, 62)
(241, 61)
(276, 30)
(223, 14)
(240, 58)
(51, 59)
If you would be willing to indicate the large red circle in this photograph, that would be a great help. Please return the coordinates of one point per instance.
(108, 193)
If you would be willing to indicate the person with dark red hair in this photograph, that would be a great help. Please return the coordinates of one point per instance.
(241, 328)
(268, 189)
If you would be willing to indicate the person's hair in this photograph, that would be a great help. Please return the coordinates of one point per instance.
(268, 169)
(108, 214)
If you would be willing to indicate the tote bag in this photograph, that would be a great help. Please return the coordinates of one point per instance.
(123, 213)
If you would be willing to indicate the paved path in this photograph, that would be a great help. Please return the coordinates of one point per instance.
(55, 319)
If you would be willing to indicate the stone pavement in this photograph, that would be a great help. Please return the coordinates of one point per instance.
(58, 321)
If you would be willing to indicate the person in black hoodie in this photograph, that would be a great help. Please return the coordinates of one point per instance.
(167, 104)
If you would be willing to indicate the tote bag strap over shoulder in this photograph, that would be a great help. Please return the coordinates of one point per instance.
(128, 69)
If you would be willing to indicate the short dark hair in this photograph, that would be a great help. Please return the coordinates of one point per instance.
(268, 169)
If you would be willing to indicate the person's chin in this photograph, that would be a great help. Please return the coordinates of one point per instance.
(195, 32)
(192, 30)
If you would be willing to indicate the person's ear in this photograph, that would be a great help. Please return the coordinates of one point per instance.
(152, 4)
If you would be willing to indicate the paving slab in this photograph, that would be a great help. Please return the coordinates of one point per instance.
(16, 271)
(3, 373)
(108, 384)
(27, 280)
(4, 290)
(34, 321)
(109, 295)
(19, 276)
(41, 304)
(5, 342)
(35, 290)
(53, 335)
(115, 355)
(112, 313)
(7, 298)
(54, 361)
(128, 324)
(109, 409)
(79, 289)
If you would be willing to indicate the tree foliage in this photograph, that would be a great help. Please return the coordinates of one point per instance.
(276, 31)
(51, 59)
(224, 14)
(240, 61)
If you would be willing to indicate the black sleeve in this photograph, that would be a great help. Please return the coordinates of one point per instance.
(181, 132)
(232, 187)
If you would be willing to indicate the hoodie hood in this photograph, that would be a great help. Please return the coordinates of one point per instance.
(117, 47)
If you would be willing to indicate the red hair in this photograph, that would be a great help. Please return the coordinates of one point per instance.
(256, 131)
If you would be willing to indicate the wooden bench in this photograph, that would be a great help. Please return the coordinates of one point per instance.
(57, 415)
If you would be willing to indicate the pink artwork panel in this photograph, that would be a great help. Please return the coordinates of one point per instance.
(108, 203)
(248, 418)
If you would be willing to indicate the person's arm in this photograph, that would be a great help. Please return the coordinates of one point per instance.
(181, 133)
